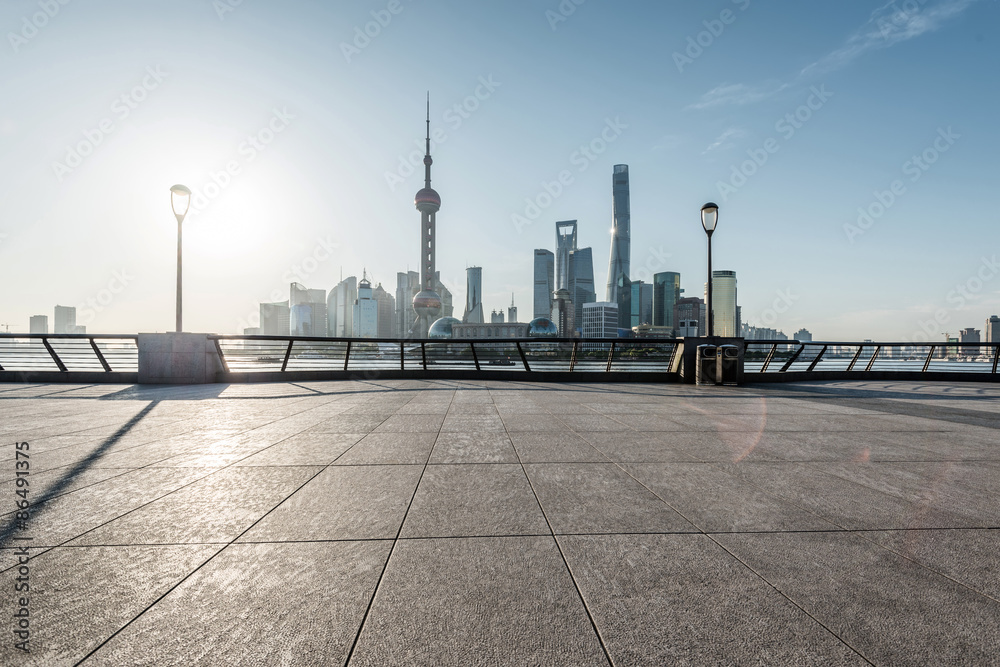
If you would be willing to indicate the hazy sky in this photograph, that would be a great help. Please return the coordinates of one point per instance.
(296, 128)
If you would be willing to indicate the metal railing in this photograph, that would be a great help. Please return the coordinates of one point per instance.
(284, 354)
(776, 357)
(69, 353)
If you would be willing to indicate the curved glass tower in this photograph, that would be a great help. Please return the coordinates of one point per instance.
(621, 251)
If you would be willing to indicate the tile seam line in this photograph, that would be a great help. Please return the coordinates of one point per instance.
(552, 534)
(395, 540)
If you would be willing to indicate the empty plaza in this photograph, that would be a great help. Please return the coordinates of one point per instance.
(422, 522)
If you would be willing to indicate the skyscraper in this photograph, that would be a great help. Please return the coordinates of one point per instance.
(600, 320)
(726, 316)
(666, 292)
(544, 283)
(307, 311)
(275, 319)
(991, 332)
(512, 310)
(38, 324)
(642, 303)
(365, 311)
(566, 232)
(473, 296)
(386, 312)
(621, 226)
(340, 308)
(407, 286)
(689, 317)
(581, 280)
(427, 303)
(64, 320)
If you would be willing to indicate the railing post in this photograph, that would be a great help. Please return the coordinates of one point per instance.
(402, 356)
(100, 357)
(816, 360)
(996, 358)
(288, 353)
(55, 357)
(572, 359)
(770, 355)
(857, 355)
(927, 361)
(347, 355)
(795, 356)
(871, 362)
(423, 353)
(524, 360)
(475, 358)
(222, 357)
(611, 357)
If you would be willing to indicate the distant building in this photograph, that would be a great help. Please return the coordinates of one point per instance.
(992, 330)
(726, 317)
(803, 335)
(340, 308)
(969, 335)
(38, 324)
(496, 317)
(386, 313)
(275, 319)
(64, 320)
(566, 235)
(642, 303)
(251, 331)
(581, 281)
(564, 313)
(689, 316)
(302, 299)
(407, 287)
(619, 266)
(474, 296)
(652, 331)
(365, 312)
(666, 292)
(491, 330)
(512, 311)
(762, 333)
(600, 320)
(447, 307)
(545, 283)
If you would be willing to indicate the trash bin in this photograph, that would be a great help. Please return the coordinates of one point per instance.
(707, 365)
(729, 363)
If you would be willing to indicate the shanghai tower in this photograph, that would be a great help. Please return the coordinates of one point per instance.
(427, 302)
(619, 287)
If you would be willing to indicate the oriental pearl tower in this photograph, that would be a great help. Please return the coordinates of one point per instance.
(427, 302)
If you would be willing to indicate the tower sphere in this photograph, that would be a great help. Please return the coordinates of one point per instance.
(427, 303)
(427, 199)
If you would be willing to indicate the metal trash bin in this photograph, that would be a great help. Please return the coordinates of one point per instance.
(707, 365)
(729, 364)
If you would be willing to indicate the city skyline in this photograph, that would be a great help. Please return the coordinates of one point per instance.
(838, 153)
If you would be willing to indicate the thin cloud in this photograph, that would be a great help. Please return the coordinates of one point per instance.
(723, 140)
(887, 26)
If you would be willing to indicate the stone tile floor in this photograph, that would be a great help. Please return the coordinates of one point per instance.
(468, 523)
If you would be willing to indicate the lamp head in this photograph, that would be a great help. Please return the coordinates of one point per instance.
(180, 200)
(709, 217)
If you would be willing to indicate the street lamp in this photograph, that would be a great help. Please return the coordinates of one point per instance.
(180, 202)
(709, 219)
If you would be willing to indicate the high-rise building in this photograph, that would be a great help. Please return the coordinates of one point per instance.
(275, 319)
(566, 231)
(726, 318)
(473, 296)
(512, 311)
(624, 291)
(365, 311)
(496, 317)
(689, 317)
(340, 308)
(666, 292)
(447, 309)
(600, 320)
(427, 302)
(992, 330)
(407, 286)
(38, 324)
(803, 335)
(642, 304)
(386, 313)
(581, 280)
(314, 300)
(621, 225)
(544, 283)
(64, 320)
(564, 313)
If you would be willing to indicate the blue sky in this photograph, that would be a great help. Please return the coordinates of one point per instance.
(794, 117)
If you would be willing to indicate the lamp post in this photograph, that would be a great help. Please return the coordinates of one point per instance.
(709, 219)
(180, 202)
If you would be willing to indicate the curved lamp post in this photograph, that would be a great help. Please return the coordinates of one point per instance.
(709, 219)
(180, 202)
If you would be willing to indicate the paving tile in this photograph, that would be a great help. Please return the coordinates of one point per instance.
(343, 503)
(304, 449)
(214, 509)
(484, 601)
(474, 447)
(534, 423)
(714, 500)
(554, 447)
(643, 446)
(474, 500)
(265, 604)
(890, 609)
(83, 595)
(411, 424)
(681, 599)
(599, 498)
(390, 449)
